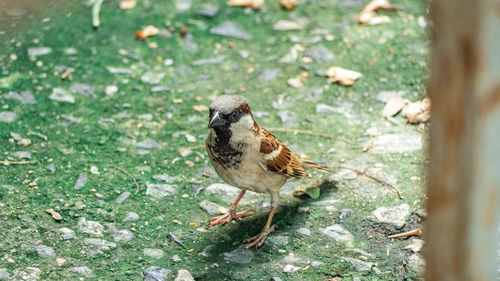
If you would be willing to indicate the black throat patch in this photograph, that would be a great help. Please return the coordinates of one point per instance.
(223, 153)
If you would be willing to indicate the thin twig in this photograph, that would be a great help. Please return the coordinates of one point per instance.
(375, 179)
(96, 9)
(191, 147)
(417, 231)
(136, 184)
(6, 162)
(67, 73)
(312, 133)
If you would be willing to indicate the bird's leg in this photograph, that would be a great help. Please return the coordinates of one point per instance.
(231, 214)
(259, 239)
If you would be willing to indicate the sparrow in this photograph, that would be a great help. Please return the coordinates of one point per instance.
(248, 157)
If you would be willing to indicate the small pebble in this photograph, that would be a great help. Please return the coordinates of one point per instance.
(184, 275)
(45, 251)
(153, 253)
(83, 270)
(131, 216)
(304, 231)
(290, 268)
(120, 199)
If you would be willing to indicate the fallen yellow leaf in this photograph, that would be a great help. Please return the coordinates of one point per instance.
(55, 215)
(254, 4)
(342, 76)
(418, 112)
(369, 11)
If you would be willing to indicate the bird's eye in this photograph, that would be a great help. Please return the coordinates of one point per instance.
(234, 115)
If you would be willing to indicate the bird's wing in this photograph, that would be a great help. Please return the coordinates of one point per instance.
(278, 158)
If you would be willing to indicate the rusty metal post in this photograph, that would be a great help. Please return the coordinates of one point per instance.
(464, 172)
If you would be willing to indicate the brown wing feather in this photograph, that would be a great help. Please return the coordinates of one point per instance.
(278, 158)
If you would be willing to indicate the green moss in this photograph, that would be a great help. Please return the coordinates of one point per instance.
(396, 63)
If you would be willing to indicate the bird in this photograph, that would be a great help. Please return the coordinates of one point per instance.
(248, 157)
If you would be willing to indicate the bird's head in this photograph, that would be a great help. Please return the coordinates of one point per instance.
(231, 112)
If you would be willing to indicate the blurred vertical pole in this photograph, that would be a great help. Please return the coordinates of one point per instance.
(464, 172)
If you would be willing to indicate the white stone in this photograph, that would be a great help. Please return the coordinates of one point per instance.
(398, 142)
(290, 268)
(61, 95)
(229, 193)
(359, 264)
(210, 207)
(45, 251)
(38, 51)
(393, 215)
(4, 274)
(90, 227)
(316, 264)
(304, 231)
(83, 270)
(416, 245)
(131, 216)
(123, 235)
(184, 275)
(417, 264)
(160, 190)
(339, 234)
(153, 253)
(111, 90)
(7, 116)
(99, 242)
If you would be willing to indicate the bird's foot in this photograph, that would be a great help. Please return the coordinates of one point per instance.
(259, 239)
(227, 217)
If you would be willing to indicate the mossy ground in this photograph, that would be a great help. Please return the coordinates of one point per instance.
(392, 57)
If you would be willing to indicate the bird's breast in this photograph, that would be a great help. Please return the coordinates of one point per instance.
(240, 164)
(224, 152)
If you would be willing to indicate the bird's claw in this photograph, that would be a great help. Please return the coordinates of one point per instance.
(227, 217)
(259, 239)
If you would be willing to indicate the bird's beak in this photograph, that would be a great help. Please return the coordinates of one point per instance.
(216, 121)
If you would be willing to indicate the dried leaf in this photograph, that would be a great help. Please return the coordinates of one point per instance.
(127, 4)
(289, 4)
(67, 72)
(313, 192)
(393, 106)
(60, 261)
(342, 76)
(295, 82)
(418, 112)
(146, 32)
(184, 31)
(55, 215)
(139, 35)
(254, 4)
(369, 11)
(200, 108)
(24, 142)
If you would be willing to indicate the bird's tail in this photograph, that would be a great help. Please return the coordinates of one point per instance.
(322, 167)
(308, 164)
